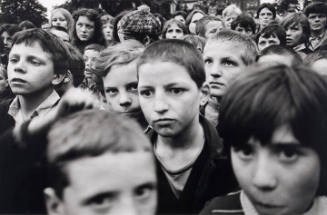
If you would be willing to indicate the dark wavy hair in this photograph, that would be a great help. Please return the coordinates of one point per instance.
(93, 16)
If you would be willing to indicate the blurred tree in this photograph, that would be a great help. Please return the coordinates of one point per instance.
(19, 10)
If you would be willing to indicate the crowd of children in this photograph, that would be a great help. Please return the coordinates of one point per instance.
(196, 113)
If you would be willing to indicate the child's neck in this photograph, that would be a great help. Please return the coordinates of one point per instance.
(28, 103)
(191, 137)
(178, 151)
(317, 33)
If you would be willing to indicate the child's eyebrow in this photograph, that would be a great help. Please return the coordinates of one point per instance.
(91, 199)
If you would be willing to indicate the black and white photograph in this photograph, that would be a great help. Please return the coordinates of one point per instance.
(163, 107)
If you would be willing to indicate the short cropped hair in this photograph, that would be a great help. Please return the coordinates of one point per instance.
(171, 22)
(295, 19)
(201, 25)
(316, 7)
(89, 133)
(244, 21)
(49, 43)
(270, 30)
(269, 7)
(179, 52)
(119, 54)
(230, 9)
(248, 47)
(263, 99)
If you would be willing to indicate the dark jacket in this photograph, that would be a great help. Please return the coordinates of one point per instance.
(22, 175)
(227, 205)
(211, 176)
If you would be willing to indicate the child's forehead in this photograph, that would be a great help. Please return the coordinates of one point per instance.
(166, 68)
(91, 52)
(225, 44)
(32, 44)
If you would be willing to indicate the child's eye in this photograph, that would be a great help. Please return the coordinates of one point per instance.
(229, 63)
(176, 91)
(35, 62)
(208, 61)
(245, 152)
(146, 93)
(288, 154)
(144, 191)
(111, 91)
(13, 60)
(101, 203)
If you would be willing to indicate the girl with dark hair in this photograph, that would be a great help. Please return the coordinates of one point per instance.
(87, 28)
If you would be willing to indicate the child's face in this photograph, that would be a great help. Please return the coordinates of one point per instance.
(30, 69)
(196, 17)
(294, 35)
(174, 32)
(229, 18)
(58, 19)
(223, 61)
(169, 98)
(90, 57)
(265, 17)
(107, 31)
(317, 21)
(120, 86)
(281, 177)
(245, 31)
(213, 27)
(266, 42)
(122, 183)
(7, 40)
(84, 28)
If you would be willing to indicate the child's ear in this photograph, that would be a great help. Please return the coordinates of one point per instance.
(58, 78)
(53, 203)
(205, 94)
(68, 77)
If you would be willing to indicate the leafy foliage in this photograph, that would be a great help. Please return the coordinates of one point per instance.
(15, 11)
